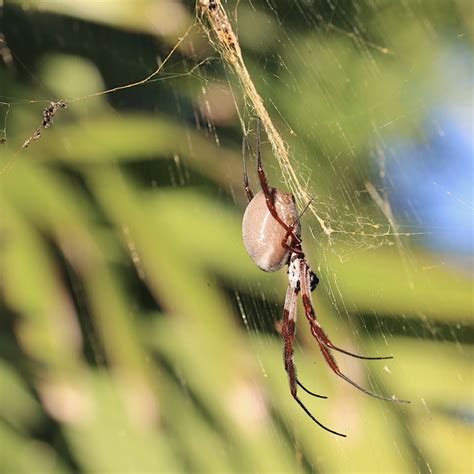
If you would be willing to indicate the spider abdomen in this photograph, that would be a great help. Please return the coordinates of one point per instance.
(263, 234)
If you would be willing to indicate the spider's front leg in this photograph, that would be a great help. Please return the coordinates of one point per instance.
(288, 332)
(323, 340)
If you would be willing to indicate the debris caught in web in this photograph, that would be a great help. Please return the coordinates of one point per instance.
(48, 114)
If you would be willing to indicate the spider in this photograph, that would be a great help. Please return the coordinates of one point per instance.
(272, 237)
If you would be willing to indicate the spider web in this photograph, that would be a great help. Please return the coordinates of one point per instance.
(359, 121)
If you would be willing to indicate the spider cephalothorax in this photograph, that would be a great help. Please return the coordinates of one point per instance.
(272, 237)
(294, 275)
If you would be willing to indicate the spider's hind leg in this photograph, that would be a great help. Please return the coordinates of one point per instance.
(269, 194)
(249, 192)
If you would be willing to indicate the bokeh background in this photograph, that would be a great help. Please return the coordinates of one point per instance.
(137, 335)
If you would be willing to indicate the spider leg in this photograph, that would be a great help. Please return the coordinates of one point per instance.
(269, 192)
(332, 363)
(288, 332)
(328, 344)
(322, 336)
(323, 340)
(298, 250)
(309, 391)
(246, 176)
(284, 242)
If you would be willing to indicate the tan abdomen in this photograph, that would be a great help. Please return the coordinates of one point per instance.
(263, 235)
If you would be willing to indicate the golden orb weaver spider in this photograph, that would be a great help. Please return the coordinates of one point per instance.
(272, 237)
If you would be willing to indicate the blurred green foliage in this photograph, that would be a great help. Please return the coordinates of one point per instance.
(137, 336)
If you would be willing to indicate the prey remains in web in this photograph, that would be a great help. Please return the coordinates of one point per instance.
(54, 106)
(272, 237)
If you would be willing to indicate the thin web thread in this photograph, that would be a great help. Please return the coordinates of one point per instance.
(225, 41)
(65, 102)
